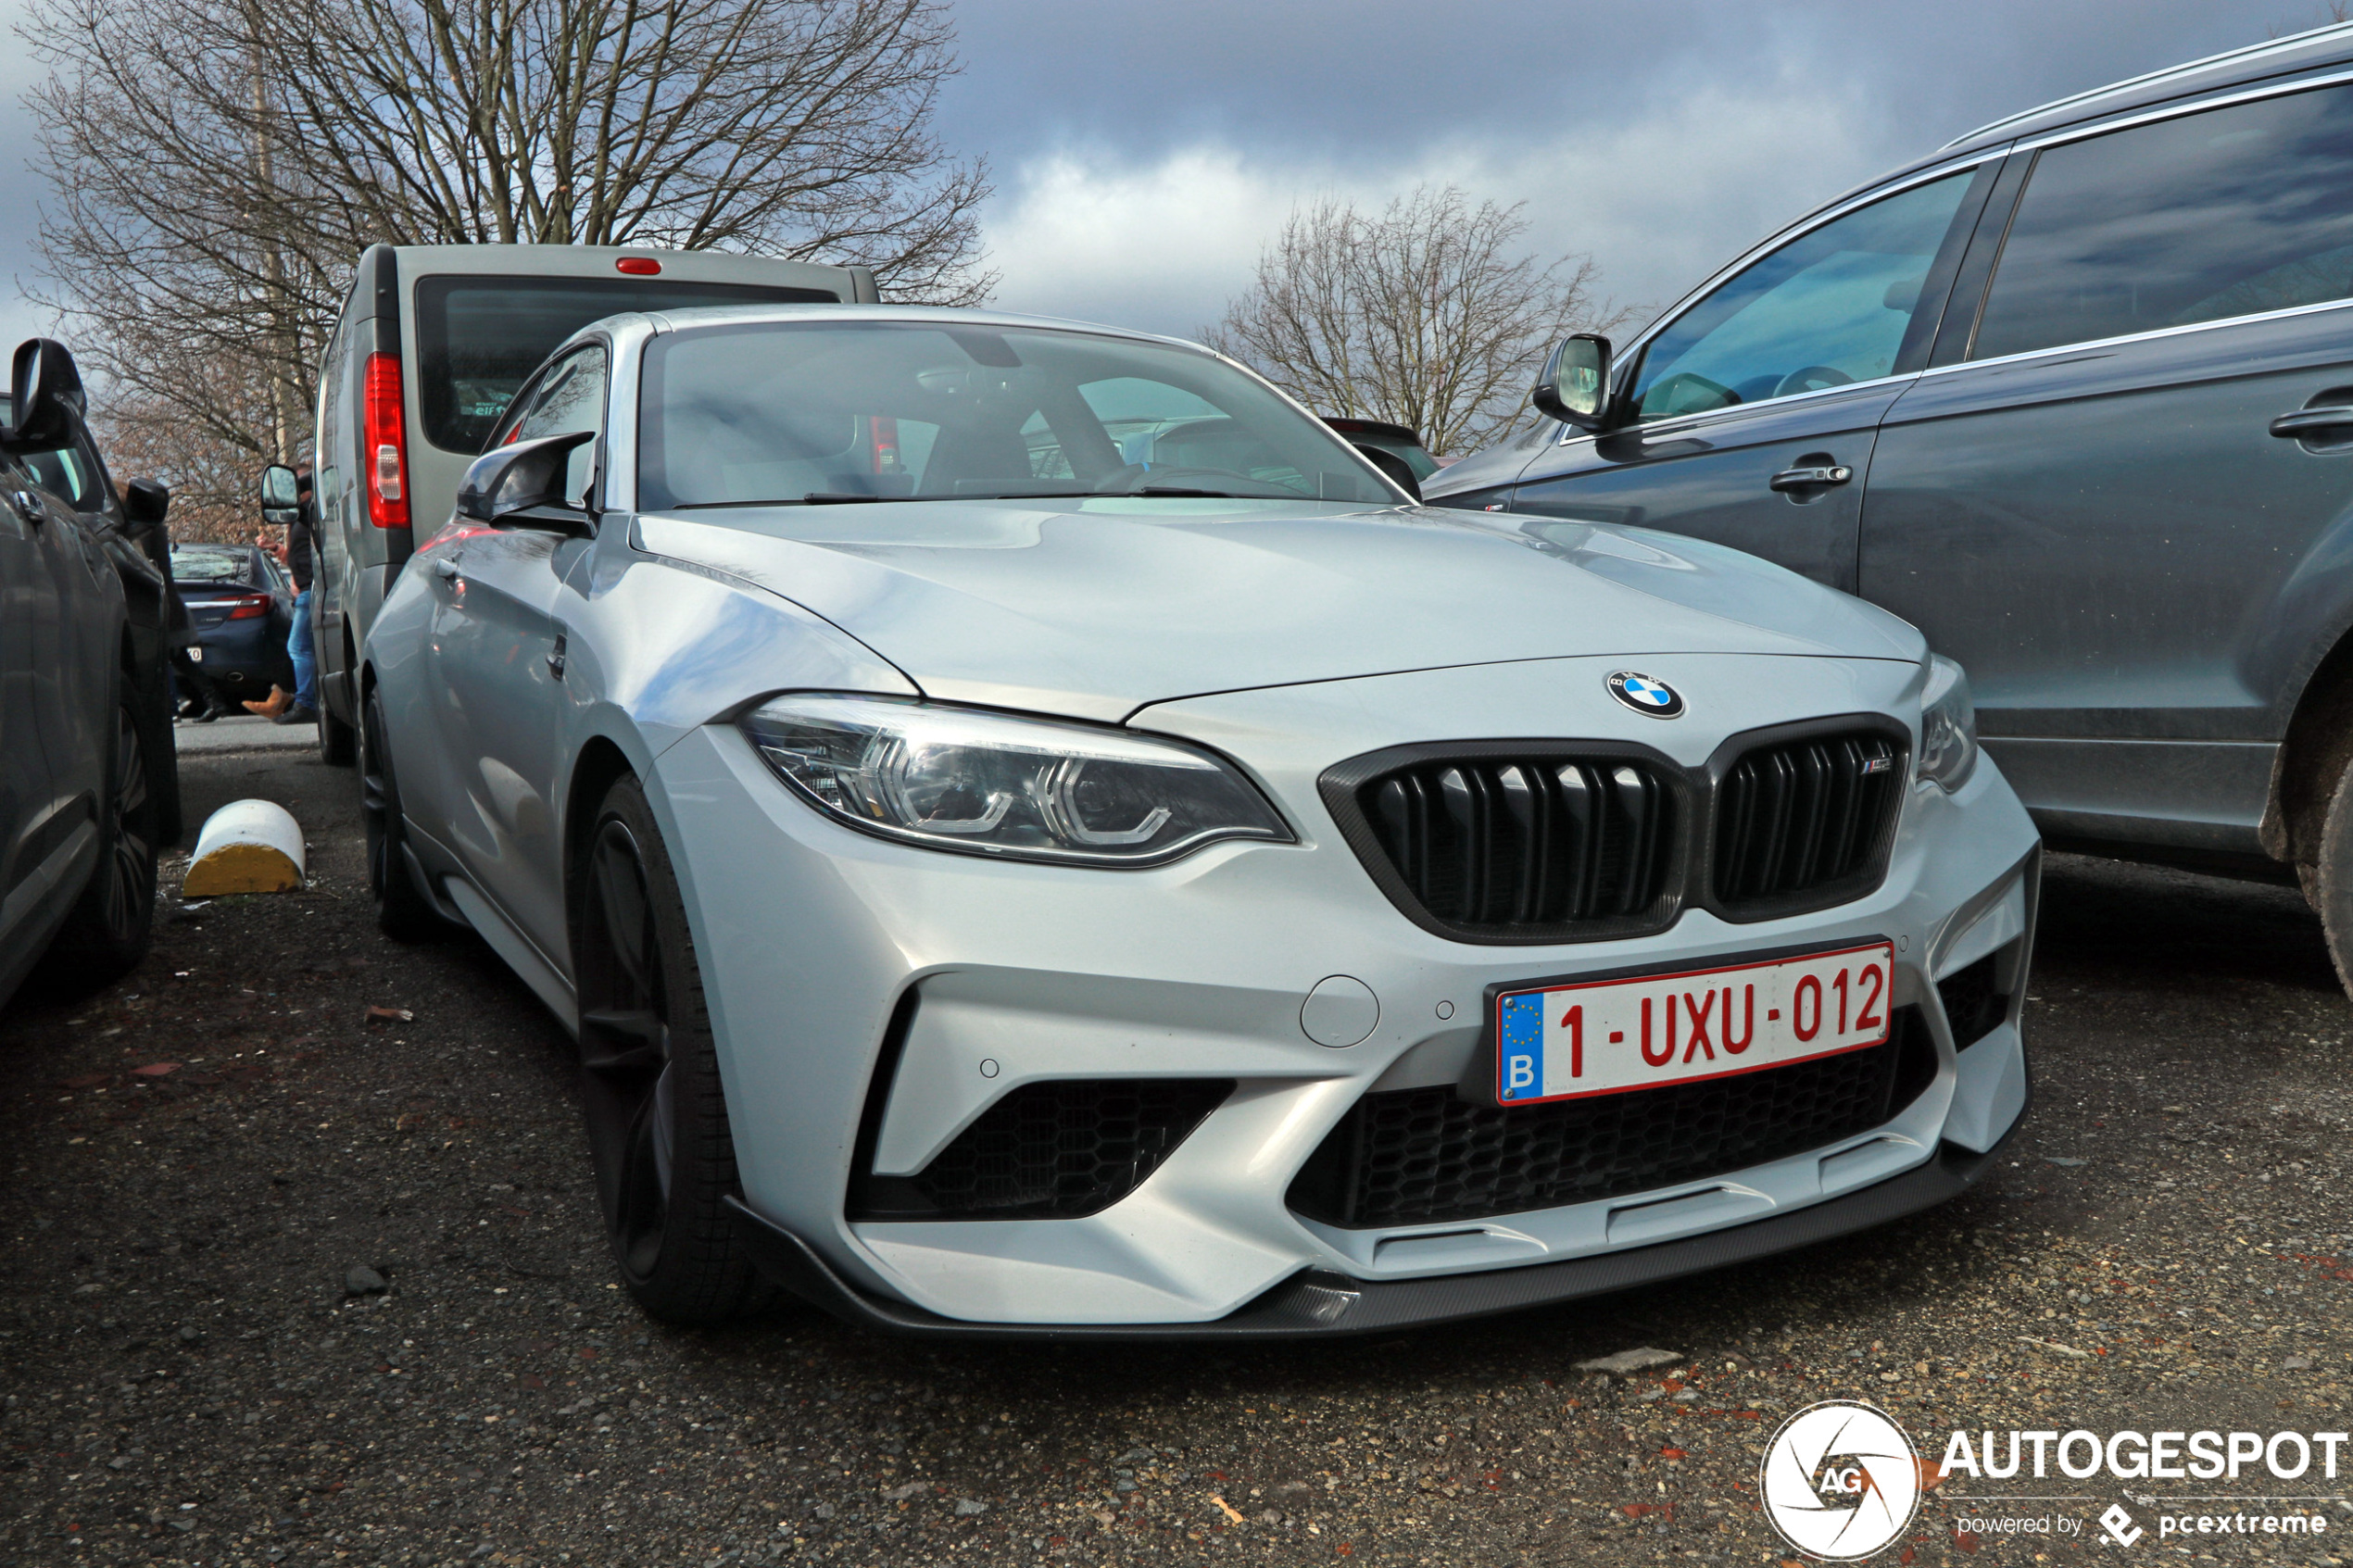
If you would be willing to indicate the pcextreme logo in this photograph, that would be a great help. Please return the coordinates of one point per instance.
(1840, 1480)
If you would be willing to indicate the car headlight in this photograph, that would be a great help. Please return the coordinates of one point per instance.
(1948, 725)
(990, 783)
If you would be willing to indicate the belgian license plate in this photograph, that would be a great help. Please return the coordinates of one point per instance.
(1609, 1036)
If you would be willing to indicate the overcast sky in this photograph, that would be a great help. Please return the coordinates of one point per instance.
(1142, 153)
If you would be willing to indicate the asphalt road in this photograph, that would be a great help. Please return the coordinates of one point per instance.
(199, 1158)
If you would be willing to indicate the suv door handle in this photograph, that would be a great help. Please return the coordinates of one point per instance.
(1809, 479)
(2307, 421)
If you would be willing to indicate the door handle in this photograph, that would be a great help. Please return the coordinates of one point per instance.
(445, 570)
(2311, 421)
(1812, 478)
(25, 502)
(556, 660)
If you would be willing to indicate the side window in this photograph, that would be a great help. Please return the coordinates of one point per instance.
(323, 449)
(70, 473)
(2225, 212)
(570, 397)
(1829, 307)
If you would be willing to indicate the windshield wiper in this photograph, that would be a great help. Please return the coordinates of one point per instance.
(839, 498)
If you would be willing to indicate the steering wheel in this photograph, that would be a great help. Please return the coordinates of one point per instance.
(1812, 378)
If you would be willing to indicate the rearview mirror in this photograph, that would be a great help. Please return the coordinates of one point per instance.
(1574, 386)
(145, 503)
(523, 485)
(281, 497)
(47, 403)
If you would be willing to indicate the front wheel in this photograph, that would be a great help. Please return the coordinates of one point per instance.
(657, 1115)
(402, 912)
(113, 924)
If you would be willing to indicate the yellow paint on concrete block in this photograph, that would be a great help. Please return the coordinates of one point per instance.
(241, 868)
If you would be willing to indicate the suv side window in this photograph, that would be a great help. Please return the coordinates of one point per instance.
(1831, 306)
(2224, 212)
(570, 397)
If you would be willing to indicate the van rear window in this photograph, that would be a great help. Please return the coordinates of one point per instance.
(477, 338)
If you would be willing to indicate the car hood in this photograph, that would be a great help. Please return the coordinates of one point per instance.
(1096, 608)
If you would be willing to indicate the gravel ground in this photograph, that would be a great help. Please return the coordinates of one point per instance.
(288, 1283)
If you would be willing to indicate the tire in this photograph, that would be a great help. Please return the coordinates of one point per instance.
(338, 746)
(113, 921)
(161, 754)
(657, 1114)
(402, 912)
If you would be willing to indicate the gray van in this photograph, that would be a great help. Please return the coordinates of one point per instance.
(432, 343)
(2074, 395)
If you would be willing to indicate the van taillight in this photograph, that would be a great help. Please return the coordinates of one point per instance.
(386, 458)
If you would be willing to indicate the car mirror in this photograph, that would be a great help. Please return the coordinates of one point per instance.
(281, 497)
(145, 503)
(1393, 467)
(1574, 386)
(45, 403)
(523, 485)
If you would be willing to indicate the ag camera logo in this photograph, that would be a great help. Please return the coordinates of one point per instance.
(1840, 1480)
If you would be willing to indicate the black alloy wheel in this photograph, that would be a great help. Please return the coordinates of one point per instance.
(402, 912)
(657, 1114)
(113, 922)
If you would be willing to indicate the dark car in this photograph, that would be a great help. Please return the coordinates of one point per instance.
(2074, 395)
(85, 734)
(240, 605)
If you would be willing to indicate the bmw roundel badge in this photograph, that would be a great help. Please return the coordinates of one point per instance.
(1644, 695)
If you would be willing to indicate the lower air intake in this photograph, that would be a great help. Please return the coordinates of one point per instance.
(1412, 1156)
(1054, 1150)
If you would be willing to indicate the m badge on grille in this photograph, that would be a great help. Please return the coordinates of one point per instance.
(1644, 695)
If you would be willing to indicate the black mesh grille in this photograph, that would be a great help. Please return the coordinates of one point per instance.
(1972, 1007)
(1051, 1150)
(1806, 821)
(1412, 1156)
(1525, 844)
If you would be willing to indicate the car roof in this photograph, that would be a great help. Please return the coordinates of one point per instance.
(2273, 59)
(917, 315)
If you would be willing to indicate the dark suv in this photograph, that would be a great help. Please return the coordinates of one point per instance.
(2074, 395)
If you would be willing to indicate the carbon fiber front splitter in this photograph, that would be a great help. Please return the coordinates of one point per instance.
(1320, 1304)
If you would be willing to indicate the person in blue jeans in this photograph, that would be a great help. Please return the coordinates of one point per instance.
(302, 706)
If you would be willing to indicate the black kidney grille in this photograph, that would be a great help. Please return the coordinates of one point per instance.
(1805, 817)
(1414, 1156)
(1494, 845)
(1053, 1150)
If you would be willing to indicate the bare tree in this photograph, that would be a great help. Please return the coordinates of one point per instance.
(1425, 314)
(219, 164)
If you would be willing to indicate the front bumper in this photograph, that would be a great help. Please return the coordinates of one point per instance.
(1320, 1304)
(872, 1000)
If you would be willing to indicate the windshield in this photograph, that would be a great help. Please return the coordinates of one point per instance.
(826, 412)
(478, 337)
(212, 566)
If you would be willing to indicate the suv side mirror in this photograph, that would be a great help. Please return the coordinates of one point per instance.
(1574, 385)
(145, 503)
(281, 497)
(47, 403)
(522, 485)
(1398, 471)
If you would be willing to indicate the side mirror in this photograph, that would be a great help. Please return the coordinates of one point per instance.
(281, 497)
(1574, 385)
(47, 402)
(145, 503)
(524, 485)
(1392, 467)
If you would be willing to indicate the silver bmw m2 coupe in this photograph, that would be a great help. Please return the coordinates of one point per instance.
(1036, 836)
